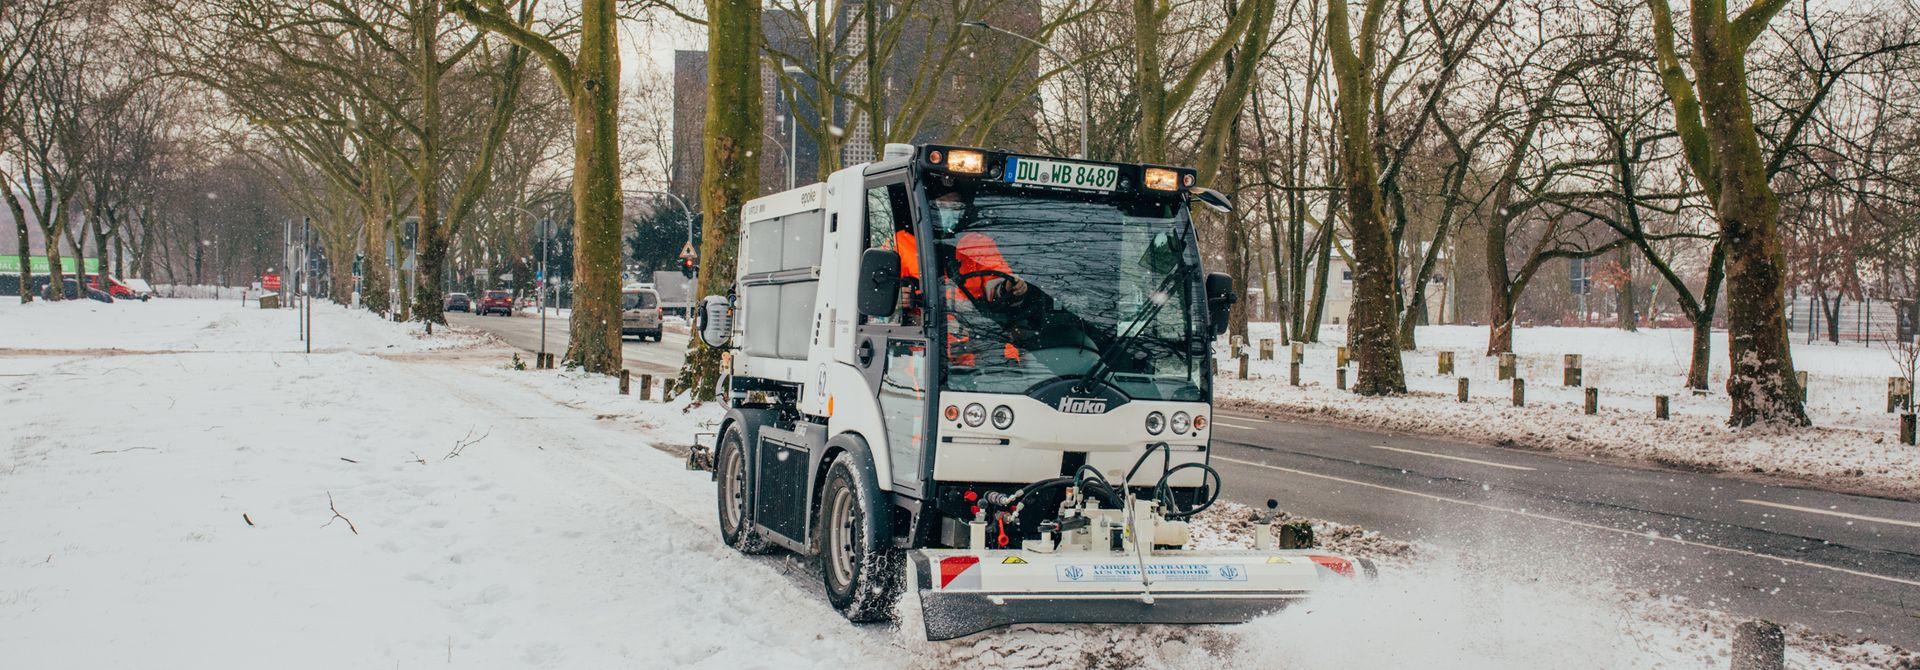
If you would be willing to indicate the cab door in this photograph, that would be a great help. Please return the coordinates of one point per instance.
(891, 351)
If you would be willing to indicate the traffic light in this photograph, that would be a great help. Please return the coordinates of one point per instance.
(687, 268)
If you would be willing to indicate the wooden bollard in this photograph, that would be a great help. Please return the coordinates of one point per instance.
(1759, 645)
(1907, 429)
(1899, 393)
(1293, 373)
(1801, 379)
(646, 387)
(1662, 407)
(1446, 363)
(1570, 370)
(1235, 344)
(624, 376)
(1593, 401)
(1299, 352)
(666, 390)
(1519, 392)
(1462, 391)
(1507, 367)
(1340, 378)
(1242, 373)
(1342, 357)
(1266, 349)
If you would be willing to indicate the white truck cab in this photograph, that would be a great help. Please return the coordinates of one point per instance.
(946, 349)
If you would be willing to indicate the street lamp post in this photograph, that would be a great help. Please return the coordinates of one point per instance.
(1086, 81)
(793, 125)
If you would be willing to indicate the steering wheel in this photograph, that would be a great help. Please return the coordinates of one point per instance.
(964, 277)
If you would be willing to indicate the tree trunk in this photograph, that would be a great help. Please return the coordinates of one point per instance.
(1317, 312)
(1628, 307)
(57, 290)
(373, 265)
(1700, 362)
(20, 228)
(1500, 310)
(1373, 329)
(598, 208)
(1761, 379)
(732, 173)
(1831, 310)
(1714, 119)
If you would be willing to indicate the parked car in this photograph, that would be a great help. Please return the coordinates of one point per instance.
(71, 291)
(114, 287)
(459, 302)
(500, 302)
(640, 313)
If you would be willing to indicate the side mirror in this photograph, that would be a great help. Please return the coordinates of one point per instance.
(1220, 299)
(878, 285)
(714, 321)
(1214, 200)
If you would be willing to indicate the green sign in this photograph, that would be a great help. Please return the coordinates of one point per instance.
(10, 264)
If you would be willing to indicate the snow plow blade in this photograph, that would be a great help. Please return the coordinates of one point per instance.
(966, 592)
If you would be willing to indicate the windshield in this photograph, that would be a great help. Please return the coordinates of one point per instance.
(641, 300)
(1038, 286)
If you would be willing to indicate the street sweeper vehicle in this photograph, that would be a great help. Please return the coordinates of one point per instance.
(991, 374)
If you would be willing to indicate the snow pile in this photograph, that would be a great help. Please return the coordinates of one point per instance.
(1852, 447)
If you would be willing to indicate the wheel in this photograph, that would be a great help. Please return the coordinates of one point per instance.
(858, 562)
(731, 464)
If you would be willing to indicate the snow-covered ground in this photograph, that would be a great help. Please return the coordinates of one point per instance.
(179, 488)
(1853, 445)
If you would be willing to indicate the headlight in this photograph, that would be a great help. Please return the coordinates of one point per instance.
(1181, 422)
(1003, 417)
(966, 162)
(976, 415)
(1161, 179)
(1156, 422)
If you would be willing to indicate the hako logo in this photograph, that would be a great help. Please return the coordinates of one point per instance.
(1072, 405)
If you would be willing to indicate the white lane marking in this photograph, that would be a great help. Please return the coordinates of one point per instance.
(1843, 515)
(1242, 418)
(1580, 524)
(1455, 458)
(1218, 422)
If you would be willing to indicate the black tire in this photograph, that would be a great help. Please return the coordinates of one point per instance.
(858, 563)
(730, 469)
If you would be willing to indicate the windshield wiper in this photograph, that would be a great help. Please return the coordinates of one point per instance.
(1103, 366)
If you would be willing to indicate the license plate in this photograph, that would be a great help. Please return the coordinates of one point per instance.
(1037, 172)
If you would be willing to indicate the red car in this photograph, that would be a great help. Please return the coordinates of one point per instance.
(114, 288)
(496, 301)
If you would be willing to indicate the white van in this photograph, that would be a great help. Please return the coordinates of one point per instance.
(640, 312)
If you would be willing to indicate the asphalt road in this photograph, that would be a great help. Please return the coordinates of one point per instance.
(523, 332)
(1837, 563)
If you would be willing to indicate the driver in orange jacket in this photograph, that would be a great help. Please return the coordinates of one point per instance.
(983, 275)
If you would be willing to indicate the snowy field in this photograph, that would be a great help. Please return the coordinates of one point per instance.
(1852, 447)
(180, 489)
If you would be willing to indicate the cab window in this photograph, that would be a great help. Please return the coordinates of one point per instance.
(889, 222)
